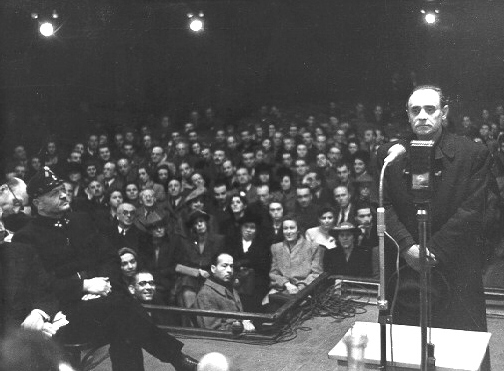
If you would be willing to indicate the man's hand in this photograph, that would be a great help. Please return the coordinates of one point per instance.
(97, 286)
(291, 289)
(412, 256)
(204, 273)
(248, 326)
(34, 321)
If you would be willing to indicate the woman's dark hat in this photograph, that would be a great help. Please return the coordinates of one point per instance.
(345, 226)
(43, 182)
(195, 215)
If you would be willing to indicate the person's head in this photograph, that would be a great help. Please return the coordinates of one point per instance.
(129, 261)
(245, 136)
(185, 170)
(35, 163)
(346, 234)
(484, 131)
(174, 188)
(307, 138)
(131, 191)
(115, 199)
(126, 214)
(143, 175)
(301, 150)
(359, 166)
(20, 171)
(248, 159)
(301, 167)
(158, 229)
(248, 225)
(157, 154)
(48, 194)
(363, 215)
(286, 159)
(342, 172)
(263, 193)
(92, 142)
(303, 196)
(427, 112)
(128, 149)
(313, 181)
(163, 173)
(220, 136)
(290, 228)
(222, 268)
(181, 149)
(118, 140)
(198, 221)
(293, 130)
(129, 136)
(13, 197)
(75, 157)
(263, 173)
(147, 141)
(192, 136)
(220, 193)
(195, 200)
(219, 156)
(352, 147)
(147, 197)
(266, 144)
(109, 170)
(285, 178)
(288, 144)
(197, 180)
(78, 147)
(104, 152)
(228, 169)
(243, 176)
(369, 136)
(91, 170)
(322, 160)
(326, 217)
(321, 142)
(238, 204)
(95, 189)
(275, 209)
(196, 148)
(341, 196)
(20, 153)
(143, 286)
(277, 139)
(51, 148)
(231, 142)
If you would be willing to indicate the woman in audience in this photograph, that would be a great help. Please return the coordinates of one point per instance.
(252, 262)
(288, 191)
(193, 260)
(348, 258)
(321, 235)
(295, 261)
(145, 182)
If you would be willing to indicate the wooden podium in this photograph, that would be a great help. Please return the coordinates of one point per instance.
(455, 350)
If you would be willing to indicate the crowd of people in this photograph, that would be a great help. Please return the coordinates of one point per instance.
(227, 216)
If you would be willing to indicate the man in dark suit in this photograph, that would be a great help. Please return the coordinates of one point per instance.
(84, 272)
(457, 206)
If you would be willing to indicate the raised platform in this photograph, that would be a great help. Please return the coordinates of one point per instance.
(455, 350)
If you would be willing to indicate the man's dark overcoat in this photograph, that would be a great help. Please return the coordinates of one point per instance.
(461, 175)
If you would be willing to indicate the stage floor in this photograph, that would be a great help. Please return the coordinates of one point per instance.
(308, 352)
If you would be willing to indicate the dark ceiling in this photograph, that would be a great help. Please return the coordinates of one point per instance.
(122, 60)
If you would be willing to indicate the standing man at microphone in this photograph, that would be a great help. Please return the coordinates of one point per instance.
(460, 176)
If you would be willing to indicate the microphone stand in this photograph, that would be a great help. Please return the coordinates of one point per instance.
(427, 359)
(383, 308)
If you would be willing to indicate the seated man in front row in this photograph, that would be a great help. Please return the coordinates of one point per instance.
(218, 293)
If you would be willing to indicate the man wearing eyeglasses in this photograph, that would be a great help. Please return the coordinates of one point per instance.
(86, 280)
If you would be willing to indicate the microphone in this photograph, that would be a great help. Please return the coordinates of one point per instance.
(393, 153)
(422, 166)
